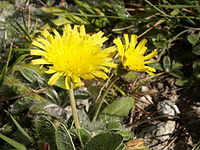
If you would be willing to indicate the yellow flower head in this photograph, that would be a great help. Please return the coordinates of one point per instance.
(74, 54)
(132, 55)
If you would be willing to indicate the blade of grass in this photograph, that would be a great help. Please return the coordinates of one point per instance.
(5, 68)
(58, 12)
(24, 22)
(145, 81)
(162, 12)
(19, 59)
(21, 129)
(23, 30)
(20, 29)
(177, 6)
(12, 142)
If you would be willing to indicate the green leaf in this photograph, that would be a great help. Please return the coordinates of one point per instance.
(196, 49)
(18, 60)
(50, 2)
(182, 82)
(86, 124)
(20, 105)
(45, 131)
(5, 67)
(86, 6)
(5, 4)
(12, 142)
(21, 129)
(196, 68)
(104, 141)
(60, 83)
(178, 6)
(167, 63)
(193, 38)
(85, 136)
(176, 73)
(125, 134)
(176, 65)
(157, 66)
(118, 108)
(130, 76)
(81, 94)
(61, 21)
(29, 74)
(63, 138)
(83, 119)
(113, 125)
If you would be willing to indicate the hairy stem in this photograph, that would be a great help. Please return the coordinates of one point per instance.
(101, 99)
(73, 105)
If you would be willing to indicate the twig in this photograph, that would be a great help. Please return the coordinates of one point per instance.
(155, 118)
(162, 12)
(152, 27)
(124, 28)
(104, 86)
(23, 95)
(166, 147)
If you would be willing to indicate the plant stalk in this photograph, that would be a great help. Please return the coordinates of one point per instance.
(101, 99)
(73, 106)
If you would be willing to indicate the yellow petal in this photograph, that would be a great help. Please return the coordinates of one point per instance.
(82, 30)
(35, 43)
(109, 64)
(87, 76)
(67, 28)
(130, 50)
(133, 41)
(47, 35)
(98, 35)
(150, 73)
(54, 78)
(152, 54)
(56, 33)
(37, 52)
(104, 69)
(150, 69)
(40, 61)
(143, 50)
(50, 71)
(76, 80)
(148, 62)
(120, 46)
(126, 41)
(43, 41)
(100, 74)
(67, 82)
(141, 46)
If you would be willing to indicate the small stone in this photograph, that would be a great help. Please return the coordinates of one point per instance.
(166, 107)
(55, 110)
(144, 88)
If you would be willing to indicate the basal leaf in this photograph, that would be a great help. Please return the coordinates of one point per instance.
(167, 63)
(45, 131)
(196, 49)
(12, 142)
(63, 138)
(193, 38)
(21, 129)
(119, 108)
(104, 141)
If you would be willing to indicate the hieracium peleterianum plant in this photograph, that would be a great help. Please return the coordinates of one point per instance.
(75, 55)
(131, 55)
(79, 56)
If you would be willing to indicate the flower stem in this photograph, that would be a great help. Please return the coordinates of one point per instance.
(73, 105)
(101, 99)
